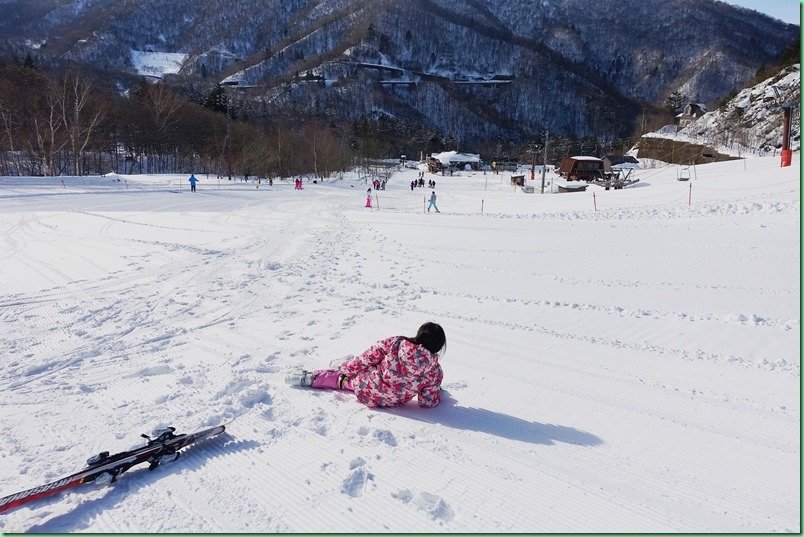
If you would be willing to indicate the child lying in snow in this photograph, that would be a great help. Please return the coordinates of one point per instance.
(390, 373)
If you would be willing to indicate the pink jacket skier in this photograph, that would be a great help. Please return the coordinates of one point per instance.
(390, 373)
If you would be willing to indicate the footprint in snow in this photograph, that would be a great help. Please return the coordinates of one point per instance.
(432, 504)
(383, 435)
(355, 483)
(386, 437)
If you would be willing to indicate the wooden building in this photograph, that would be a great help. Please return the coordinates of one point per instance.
(453, 160)
(581, 168)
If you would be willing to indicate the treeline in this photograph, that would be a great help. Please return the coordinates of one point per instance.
(68, 121)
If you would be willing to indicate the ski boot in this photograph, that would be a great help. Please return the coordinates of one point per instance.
(303, 379)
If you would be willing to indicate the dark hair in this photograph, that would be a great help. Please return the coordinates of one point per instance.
(431, 336)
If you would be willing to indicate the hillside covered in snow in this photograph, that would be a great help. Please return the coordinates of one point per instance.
(478, 69)
(751, 122)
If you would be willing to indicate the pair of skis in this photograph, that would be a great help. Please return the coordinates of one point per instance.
(162, 447)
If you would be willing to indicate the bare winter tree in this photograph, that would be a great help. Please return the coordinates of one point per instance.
(48, 123)
(256, 156)
(280, 142)
(165, 105)
(31, 122)
(8, 115)
(79, 114)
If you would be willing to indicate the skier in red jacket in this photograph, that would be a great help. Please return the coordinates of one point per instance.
(390, 373)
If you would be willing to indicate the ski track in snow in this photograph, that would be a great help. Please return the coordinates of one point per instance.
(639, 394)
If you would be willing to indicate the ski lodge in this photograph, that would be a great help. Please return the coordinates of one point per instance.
(454, 160)
(581, 168)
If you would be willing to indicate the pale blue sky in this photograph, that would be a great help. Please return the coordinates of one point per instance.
(786, 10)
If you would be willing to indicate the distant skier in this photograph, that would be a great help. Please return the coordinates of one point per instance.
(192, 181)
(433, 203)
(368, 198)
(390, 373)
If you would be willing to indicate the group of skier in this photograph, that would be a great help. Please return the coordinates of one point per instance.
(299, 185)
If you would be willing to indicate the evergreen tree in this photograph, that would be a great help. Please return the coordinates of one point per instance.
(216, 100)
(674, 102)
(28, 62)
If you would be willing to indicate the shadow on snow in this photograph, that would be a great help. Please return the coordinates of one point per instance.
(450, 414)
(192, 458)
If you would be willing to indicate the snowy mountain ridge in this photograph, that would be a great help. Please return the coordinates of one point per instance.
(596, 62)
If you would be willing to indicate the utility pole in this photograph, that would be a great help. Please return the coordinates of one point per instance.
(228, 137)
(544, 168)
(787, 110)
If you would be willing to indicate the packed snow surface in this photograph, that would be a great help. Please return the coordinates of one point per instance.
(634, 368)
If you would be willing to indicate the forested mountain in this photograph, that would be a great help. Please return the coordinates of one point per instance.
(477, 69)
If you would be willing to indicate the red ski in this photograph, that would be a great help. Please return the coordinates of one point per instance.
(104, 468)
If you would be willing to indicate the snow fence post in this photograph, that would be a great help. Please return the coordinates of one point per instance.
(377, 200)
(594, 201)
(62, 184)
(481, 206)
(689, 203)
(424, 203)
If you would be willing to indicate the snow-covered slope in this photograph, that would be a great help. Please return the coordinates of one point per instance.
(157, 64)
(752, 121)
(626, 362)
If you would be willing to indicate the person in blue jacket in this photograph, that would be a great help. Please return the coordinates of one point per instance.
(433, 203)
(192, 181)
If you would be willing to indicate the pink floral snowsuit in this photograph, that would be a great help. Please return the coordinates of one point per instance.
(393, 371)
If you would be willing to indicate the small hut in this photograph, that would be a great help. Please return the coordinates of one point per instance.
(581, 168)
(453, 159)
(690, 113)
